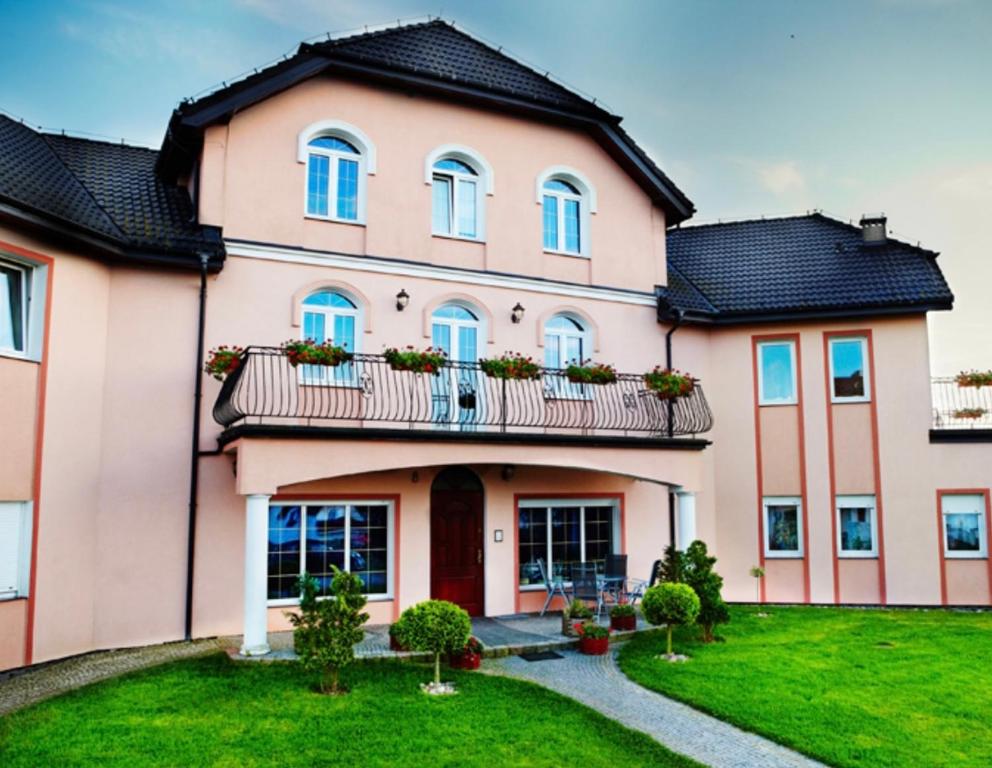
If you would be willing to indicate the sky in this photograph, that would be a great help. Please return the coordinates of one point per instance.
(753, 107)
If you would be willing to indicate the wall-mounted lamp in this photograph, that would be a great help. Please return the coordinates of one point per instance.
(517, 313)
(415, 476)
(508, 471)
(402, 299)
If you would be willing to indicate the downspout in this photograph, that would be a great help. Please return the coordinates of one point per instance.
(194, 468)
(676, 322)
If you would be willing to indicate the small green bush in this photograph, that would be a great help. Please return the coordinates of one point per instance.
(326, 630)
(707, 584)
(579, 610)
(592, 630)
(672, 565)
(623, 609)
(436, 626)
(670, 604)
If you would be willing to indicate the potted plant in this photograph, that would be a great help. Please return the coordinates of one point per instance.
(223, 361)
(310, 352)
(469, 657)
(668, 384)
(969, 413)
(396, 638)
(594, 640)
(591, 373)
(623, 617)
(511, 365)
(429, 360)
(576, 613)
(974, 379)
(436, 627)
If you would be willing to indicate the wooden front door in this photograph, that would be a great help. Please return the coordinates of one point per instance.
(456, 549)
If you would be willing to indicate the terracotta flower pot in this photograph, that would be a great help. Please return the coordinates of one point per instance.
(623, 623)
(465, 660)
(594, 646)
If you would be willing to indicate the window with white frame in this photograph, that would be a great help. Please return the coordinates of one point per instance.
(777, 373)
(563, 533)
(964, 525)
(563, 217)
(330, 316)
(457, 199)
(849, 377)
(15, 548)
(566, 342)
(335, 173)
(355, 536)
(783, 526)
(856, 526)
(15, 293)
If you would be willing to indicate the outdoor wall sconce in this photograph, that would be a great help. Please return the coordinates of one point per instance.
(415, 477)
(508, 471)
(517, 314)
(402, 299)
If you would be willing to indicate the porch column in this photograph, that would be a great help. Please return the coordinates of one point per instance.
(686, 530)
(256, 640)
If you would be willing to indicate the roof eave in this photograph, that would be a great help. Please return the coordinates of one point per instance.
(697, 317)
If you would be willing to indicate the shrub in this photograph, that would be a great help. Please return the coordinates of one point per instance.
(670, 604)
(397, 632)
(672, 565)
(623, 609)
(579, 610)
(436, 626)
(706, 583)
(326, 630)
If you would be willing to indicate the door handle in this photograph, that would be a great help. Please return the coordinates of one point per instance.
(478, 554)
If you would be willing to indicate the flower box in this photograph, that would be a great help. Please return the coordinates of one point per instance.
(511, 365)
(310, 352)
(223, 361)
(974, 379)
(429, 360)
(623, 623)
(594, 640)
(591, 373)
(470, 657)
(969, 413)
(667, 384)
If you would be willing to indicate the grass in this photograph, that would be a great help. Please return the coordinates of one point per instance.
(212, 711)
(850, 687)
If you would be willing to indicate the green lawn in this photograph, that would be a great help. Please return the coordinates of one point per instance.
(212, 711)
(850, 687)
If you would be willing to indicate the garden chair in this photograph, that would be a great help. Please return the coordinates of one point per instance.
(637, 587)
(585, 586)
(552, 585)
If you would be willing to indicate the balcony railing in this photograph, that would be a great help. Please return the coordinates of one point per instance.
(367, 392)
(957, 407)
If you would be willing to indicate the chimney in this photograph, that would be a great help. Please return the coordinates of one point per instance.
(873, 228)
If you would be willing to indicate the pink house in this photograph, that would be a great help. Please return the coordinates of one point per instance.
(415, 187)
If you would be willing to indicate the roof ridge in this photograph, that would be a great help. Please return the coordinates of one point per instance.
(367, 34)
(757, 220)
(107, 142)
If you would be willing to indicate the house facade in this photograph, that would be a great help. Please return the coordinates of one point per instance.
(414, 187)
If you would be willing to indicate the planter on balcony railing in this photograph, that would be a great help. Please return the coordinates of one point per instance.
(962, 402)
(310, 352)
(591, 373)
(974, 379)
(512, 365)
(223, 361)
(668, 384)
(266, 389)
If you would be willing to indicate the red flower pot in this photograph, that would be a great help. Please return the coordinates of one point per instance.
(623, 623)
(465, 660)
(594, 646)
(394, 645)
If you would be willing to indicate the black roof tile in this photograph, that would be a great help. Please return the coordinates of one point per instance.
(799, 265)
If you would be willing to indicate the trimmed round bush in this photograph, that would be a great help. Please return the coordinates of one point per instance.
(670, 604)
(436, 626)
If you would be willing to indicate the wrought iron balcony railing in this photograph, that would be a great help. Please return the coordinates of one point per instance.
(367, 392)
(957, 407)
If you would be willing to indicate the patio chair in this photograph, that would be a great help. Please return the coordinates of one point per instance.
(637, 587)
(585, 586)
(552, 585)
(615, 576)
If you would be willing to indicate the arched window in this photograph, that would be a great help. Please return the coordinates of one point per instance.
(566, 341)
(562, 217)
(335, 179)
(457, 199)
(330, 316)
(456, 398)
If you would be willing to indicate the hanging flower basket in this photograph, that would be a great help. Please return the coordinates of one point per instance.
(223, 361)
(669, 384)
(309, 352)
(974, 379)
(429, 360)
(511, 365)
(969, 413)
(591, 373)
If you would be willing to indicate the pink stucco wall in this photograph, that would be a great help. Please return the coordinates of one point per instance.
(18, 416)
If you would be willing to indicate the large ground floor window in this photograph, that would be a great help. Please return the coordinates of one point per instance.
(564, 533)
(354, 536)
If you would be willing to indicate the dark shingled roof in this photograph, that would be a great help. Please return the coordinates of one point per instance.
(101, 190)
(804, 265)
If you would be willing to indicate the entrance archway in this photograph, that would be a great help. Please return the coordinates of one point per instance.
(457, 567)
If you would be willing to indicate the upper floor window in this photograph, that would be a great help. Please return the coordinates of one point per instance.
(15, 284)
(456, 199)
(566, 341)
(330, 316)
(333, 175)
(562, 217)
(777, 373)
(849, 379)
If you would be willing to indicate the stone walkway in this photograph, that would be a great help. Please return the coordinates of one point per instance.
(597, 682)
(21, 688)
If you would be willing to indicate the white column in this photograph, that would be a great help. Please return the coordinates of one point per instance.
(256, 639)
(686, 528)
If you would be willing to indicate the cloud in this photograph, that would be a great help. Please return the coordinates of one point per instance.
(783, 179)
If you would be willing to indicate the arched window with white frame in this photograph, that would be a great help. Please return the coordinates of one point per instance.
(562, 217)
(460, 179)
(566, 342)
(330, 316)
(457, 329)
(338, 157)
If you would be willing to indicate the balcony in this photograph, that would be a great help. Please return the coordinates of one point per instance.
(267, 395)
(960, 414)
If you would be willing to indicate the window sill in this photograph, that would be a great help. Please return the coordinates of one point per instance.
(572, 254)
(777, 404)
(459, 238)
(784, 556)
(965, 556)
(532, 587)
(849, 400)
(11, 354)
(857, 556)
(334, 220)
(291, 601)
(12, 598)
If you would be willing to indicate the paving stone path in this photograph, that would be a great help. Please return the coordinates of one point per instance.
(21, 688)
(597, 682)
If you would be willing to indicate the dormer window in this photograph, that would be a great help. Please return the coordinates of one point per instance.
(332, 178)
(456, 199)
